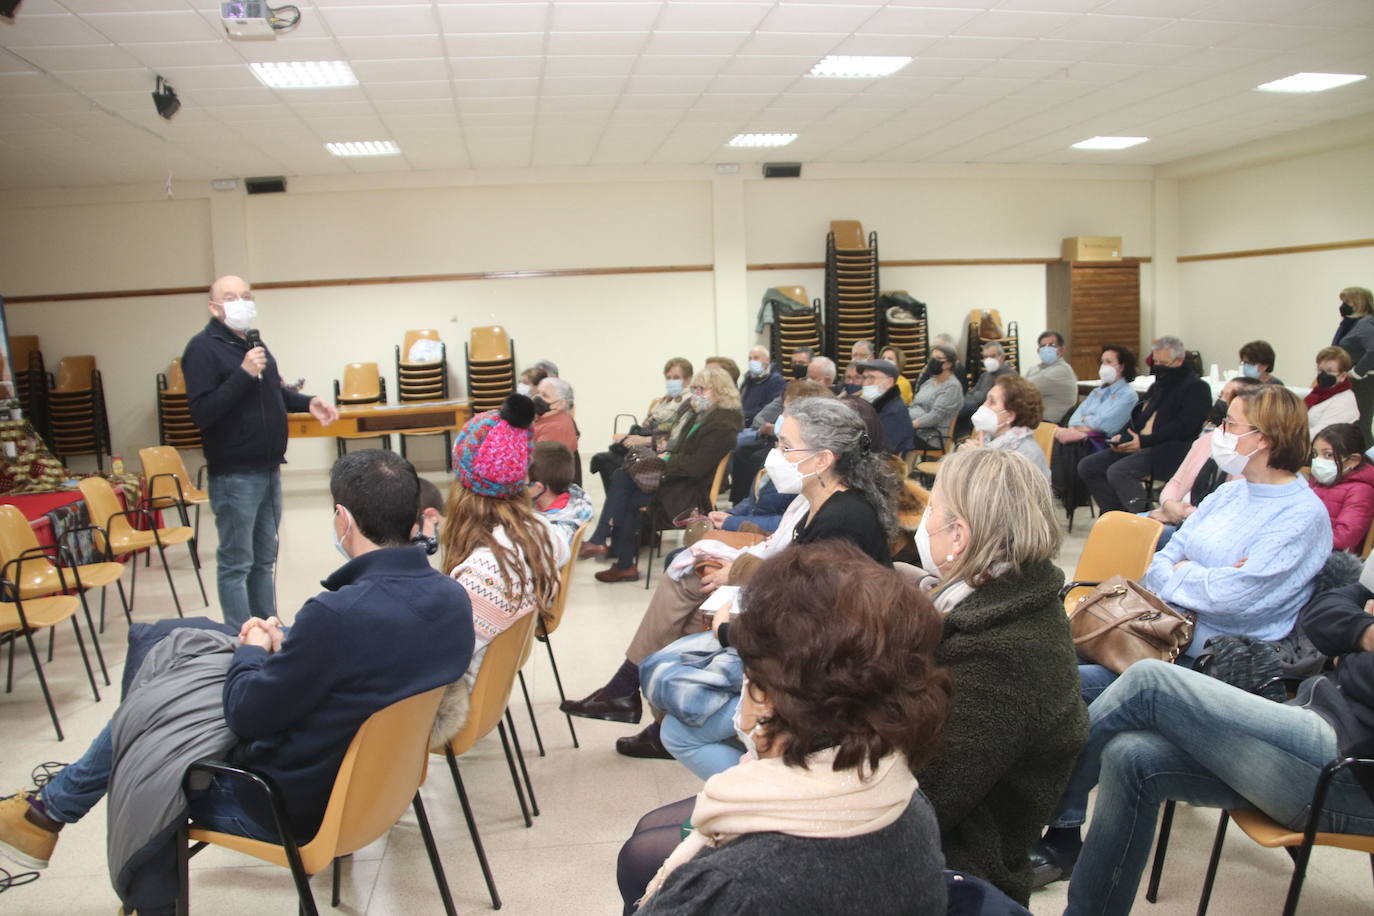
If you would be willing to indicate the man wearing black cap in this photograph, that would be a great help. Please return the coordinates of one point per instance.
(880, 390)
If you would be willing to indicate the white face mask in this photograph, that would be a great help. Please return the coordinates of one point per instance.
(338, 540)
(985, 420)
(1224, 451)
(746, 737)
(870, 393)
(923, 546)
(526, 390)
(239, 314)
(1324, 470)
(991, 364)
(1106, 373)
(786, 476)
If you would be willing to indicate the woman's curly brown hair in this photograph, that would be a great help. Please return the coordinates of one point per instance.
(845, 650)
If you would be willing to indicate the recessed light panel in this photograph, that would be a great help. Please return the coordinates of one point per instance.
(842, 66)
(1310, 82)
(1110, 142)
(761, 140)
(364, 148)
(304, 74)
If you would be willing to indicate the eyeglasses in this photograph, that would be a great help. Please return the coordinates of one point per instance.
(246, 297)
(788, 451)
(698, 389)
(1231, 426)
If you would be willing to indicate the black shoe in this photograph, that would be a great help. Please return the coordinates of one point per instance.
(1049, 864)
(601, 706)
(645, 745)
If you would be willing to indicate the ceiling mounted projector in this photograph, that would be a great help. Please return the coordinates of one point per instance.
(7, 8)
(250, 20)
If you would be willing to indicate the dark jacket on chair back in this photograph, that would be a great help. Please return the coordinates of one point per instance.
(242, 420)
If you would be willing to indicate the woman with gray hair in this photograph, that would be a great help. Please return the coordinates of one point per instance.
(988, 540)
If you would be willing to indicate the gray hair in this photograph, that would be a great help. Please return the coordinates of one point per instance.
(942, 340)
(1170, 343)
(828, 424)
(826, 366)
(549, 367)
(867, 345)
(995, 347)
(561, 388)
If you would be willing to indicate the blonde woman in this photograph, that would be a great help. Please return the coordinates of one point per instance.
(690, 461)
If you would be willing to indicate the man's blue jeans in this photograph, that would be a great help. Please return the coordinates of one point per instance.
(1162, 732)
(247, 509)
(77, 788)
(707, 749)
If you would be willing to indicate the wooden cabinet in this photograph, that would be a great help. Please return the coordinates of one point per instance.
(1093, 304)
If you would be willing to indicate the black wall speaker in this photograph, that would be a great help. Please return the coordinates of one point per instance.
(782, 170)
(272, 184)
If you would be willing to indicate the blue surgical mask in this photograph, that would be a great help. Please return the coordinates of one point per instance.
(756, 367)
(338, 541)
(1249, 370)
(1048, 355)
(673, 386)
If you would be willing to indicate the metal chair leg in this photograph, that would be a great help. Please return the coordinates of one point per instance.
(548, 644)
(529, 708)
(1166, 824)
(435, 864)
(520, 757)
(334, 890)
(95, 641)
(85, 659)
(42, 682)
(472, 829)
(514, 776)
(1212, 864)
(126, 603)
(170, 584)
(183, 871)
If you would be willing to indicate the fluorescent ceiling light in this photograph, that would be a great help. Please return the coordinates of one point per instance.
(304, 74)
(1110, 142)
(843, 66)
(1310, 82)
(744, 140)
(364, 148)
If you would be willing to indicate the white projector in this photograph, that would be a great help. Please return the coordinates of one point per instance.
(247, 20)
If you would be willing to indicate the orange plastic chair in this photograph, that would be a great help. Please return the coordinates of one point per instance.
(849, 235)
(488, 708)
(797, 293)
(1044, 437)
(22, 346)
(362, 384)
(176, 379)
(380, 775)
(74, 374)
(1121, 543)
(169, 484)
(410, 339)
(116, 537)
(488, 345)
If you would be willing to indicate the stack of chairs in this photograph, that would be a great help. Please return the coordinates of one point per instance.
(490, 357)
(912, 339)
(1010, 341)
(851, 288)
(362, 384)
(27, 364)
(76, 411)
(422, 381)
(791, 332)
(174, 424)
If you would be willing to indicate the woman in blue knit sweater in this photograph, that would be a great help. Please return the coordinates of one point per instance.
(1245, 560)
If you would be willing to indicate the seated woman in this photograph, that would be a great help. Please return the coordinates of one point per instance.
(659, 423)
(895, 356)
(1244, 562)
(1343, 479)
(851, 494)
(529, 381)
(1331, 399)
(1104, 413)
(495, 543)
(937, 401)
(1008, 419)
(1163, 733)
(842, 703)
(553, 404)
(689, 465)
(989, 539)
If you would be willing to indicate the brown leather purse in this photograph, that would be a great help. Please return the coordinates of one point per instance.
(1122, 622)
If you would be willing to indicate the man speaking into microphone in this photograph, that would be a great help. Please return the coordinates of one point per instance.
(237, 399)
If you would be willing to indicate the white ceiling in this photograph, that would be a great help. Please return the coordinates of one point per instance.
(575, 82)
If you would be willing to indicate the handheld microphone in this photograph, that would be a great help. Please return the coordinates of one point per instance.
(254, 340)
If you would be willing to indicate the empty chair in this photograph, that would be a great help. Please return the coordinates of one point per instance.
(169, 485)
(1121, 543)
(362, 384)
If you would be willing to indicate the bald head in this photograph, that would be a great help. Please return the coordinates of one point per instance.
(229, 284)
(228, 290)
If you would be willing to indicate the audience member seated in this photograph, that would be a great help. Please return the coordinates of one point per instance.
(758, 513)
(1244, 562)
(851, 494)
(428, 518)
(1104, 413)
(1198, 475)
(760, 386)
(995, 366)
(1055, 378)
(528, 383)
(989, 539)
(1257, 362)
(836, 435)
(283, 702)
(758, 437)
(880, 389)
(551, 487)
(801, 359)
(659, 423)
(1008, 420)
(1343, 479)
(1164, 733)
(936, 342)
(853, 380)
(936, 401)
(841, 703)
(690, 462)
(553, 421)
(1162, 427)
(549, 366)
(862, 350)
(895, 356)
(495, 543)
(726, 365)
(1331, 400)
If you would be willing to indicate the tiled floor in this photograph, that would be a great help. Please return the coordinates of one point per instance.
(590, 797)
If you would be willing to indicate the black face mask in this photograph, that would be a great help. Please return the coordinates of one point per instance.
(1218, 412)
(1347, 309)
(1325, 380)
(936, 366)
(853, 389)
(541, 406)
(799, 370)
(1165, 373)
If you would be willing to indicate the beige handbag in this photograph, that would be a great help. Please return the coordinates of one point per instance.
(1122, 622)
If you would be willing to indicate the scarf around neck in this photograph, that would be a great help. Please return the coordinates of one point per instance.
(768, 796)
(1317, 395)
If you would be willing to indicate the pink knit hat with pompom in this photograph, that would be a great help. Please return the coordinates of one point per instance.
(491, 455)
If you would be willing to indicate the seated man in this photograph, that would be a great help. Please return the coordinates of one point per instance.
(1162, 428)
(761, 385)
(1055, 378)
(388, 626)
(880, 390)
(995, 366)
(755, 440)
(551, 487)
(801, 359)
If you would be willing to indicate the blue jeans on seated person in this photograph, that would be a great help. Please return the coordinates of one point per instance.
(708, 749)
(247, 509)
(619, 522)
(1094, 679)
(1161, 732)
(1164, 535)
